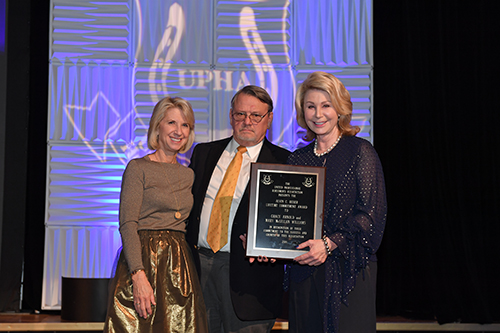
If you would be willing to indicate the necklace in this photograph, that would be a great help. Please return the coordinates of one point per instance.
(326, 151)
(177, 214)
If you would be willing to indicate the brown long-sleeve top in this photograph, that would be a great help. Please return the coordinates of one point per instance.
(151, 194)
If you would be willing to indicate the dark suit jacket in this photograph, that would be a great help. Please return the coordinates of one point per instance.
(256, 289)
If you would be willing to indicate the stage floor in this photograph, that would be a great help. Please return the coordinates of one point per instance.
(18, 322)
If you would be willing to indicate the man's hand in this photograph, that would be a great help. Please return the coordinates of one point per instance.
(259, 258)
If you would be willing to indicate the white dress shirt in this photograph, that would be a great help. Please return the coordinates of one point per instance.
(227, 156)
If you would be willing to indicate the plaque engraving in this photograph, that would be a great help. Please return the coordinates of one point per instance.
(286, 209)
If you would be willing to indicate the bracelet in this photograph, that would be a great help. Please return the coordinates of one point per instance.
(136, 271)
(328, 252)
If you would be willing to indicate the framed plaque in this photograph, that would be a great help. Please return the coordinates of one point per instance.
(286, 209)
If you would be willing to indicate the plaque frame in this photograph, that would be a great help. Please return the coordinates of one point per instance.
(257, 218)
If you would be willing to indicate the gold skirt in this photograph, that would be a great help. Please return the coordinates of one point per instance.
(169, 266)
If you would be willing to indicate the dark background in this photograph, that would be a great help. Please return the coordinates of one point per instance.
(436, 117)
(435, 128)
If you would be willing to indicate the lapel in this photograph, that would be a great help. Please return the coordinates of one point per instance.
(211, 155)
(265, 155)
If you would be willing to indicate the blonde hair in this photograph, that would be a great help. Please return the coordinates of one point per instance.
(159, 112)
(340, 97)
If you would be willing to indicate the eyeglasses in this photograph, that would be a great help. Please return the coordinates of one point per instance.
(254, 117)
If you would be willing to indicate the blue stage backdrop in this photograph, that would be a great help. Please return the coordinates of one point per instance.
(110, 62)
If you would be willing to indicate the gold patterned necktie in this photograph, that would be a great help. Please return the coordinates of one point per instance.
(219, 217)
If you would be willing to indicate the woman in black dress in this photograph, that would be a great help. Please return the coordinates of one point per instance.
(332, 286)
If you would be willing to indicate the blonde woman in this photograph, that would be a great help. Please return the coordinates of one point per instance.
(156, 288)
(332, 286)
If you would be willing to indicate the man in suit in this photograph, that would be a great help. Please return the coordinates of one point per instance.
(240, 295)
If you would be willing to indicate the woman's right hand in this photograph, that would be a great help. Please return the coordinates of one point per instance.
(143, 294)
(317, 252)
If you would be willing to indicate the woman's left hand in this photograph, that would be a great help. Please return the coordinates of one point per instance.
(143, 294)
(316, 255)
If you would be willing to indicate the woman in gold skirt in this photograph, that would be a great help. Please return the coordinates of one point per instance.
(156, 287)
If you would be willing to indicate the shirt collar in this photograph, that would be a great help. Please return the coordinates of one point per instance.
(252, 151)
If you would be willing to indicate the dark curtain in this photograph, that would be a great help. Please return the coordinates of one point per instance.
(436, 130)
(12, 221)
(37, 155)
(26, 98)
